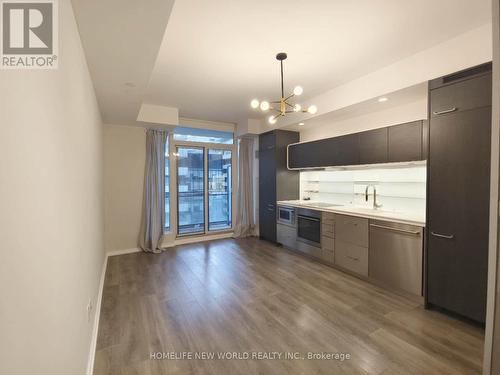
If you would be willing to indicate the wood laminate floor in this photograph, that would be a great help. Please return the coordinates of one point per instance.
(248, 296)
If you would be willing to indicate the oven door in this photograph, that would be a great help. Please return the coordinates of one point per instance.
(286, 216)
(309, 230)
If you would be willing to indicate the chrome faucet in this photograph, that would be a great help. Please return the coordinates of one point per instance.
(375, 204)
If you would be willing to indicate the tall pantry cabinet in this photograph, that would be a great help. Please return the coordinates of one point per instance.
(458, 192)
(276, 182)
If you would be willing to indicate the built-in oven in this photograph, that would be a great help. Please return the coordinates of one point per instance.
(286, 215)
(309, 226)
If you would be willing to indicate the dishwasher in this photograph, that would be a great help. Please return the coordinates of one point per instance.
(395, 255)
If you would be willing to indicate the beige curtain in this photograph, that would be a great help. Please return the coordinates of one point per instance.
(245, 219)
(153, 210)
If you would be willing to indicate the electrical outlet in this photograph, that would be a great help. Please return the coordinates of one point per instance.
(89, 310)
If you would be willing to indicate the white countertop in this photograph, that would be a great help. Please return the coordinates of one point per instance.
(369, 213)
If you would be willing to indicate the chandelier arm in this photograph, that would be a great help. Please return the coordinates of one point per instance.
(284, 106)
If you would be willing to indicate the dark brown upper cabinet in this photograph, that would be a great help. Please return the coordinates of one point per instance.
(461, 96)
(405, 142)
(373, 146)
(306, 155)
(398, 143)
(326, 152)
(344, 150)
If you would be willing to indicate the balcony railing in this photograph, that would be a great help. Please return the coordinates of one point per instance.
(191, 211)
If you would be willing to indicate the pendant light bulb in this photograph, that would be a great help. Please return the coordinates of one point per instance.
(298, 90)
(272, 120)
(264, 105)
(312, 109)
(254, 104)
(297, 108)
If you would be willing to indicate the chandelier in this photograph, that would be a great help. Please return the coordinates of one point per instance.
(282, 106)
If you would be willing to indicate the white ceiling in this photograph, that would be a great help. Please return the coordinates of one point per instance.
(412, 94)
(121, 39)
(215, 56)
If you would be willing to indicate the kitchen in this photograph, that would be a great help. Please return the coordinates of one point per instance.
(251, 187)
(403, 206)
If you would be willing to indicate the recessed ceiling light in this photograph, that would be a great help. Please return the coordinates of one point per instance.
(383, 99)
(301, 123)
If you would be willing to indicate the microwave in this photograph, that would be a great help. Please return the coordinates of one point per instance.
(286, 215)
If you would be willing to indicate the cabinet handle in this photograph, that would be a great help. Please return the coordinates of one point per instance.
(414, 233)
(447, 236)
(437, 113)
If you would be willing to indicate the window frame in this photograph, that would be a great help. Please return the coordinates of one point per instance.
(201, 142)
(178, 234)
(172, 234)
(207, 154)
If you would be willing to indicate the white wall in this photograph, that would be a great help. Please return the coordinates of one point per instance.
(124, 161)
(412, 111)
(471, 48)
(51, 215)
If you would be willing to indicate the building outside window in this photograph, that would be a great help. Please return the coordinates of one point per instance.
(219, 189)
(204, 180)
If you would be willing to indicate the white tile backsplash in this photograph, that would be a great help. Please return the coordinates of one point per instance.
(400, 189)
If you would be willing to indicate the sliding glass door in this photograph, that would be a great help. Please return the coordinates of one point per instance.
(190, 190)
(200, 210)
(219, 189)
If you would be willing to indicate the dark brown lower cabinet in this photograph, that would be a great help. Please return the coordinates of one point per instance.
(458, 211)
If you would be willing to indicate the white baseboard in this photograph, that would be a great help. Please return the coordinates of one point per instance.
(124, 251)
(97, 315)
(95, 329)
